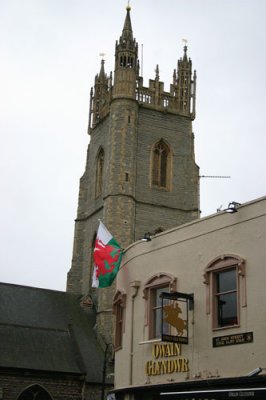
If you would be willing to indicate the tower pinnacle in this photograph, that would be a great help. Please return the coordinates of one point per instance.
(127, 33)
(126, 61)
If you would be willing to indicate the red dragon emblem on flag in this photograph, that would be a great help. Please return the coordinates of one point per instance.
(105, 257)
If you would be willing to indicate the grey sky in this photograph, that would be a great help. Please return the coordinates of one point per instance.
(49, 57)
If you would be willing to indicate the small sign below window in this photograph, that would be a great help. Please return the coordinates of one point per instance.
(174, 326)
(229, 340)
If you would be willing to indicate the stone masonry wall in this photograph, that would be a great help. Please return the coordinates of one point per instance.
(158, 207)
(13, 384)
(130, 205)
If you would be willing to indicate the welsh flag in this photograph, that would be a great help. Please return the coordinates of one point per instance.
(107, 257)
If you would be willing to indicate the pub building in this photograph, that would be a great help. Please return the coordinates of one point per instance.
(190, 311)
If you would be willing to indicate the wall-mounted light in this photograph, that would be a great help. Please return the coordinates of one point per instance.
(255, 372)
(232, 207)
(146, 237)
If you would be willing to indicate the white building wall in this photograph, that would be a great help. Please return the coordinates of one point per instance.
(185, 252)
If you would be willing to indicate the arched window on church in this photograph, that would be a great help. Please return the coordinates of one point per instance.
(34, 392)
(99, 172)
(91, 265)
(161, 165)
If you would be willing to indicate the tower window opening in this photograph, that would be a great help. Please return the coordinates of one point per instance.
(165, 102)
(99, 173)
(160, 165)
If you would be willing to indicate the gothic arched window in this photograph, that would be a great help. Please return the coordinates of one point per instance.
(161, 165)
(91, 264)
(99, 172)
(35, 392)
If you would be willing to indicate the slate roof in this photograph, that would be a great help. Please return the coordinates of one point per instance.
(47, 330)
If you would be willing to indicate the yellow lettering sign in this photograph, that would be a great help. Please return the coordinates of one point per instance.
(166, 350)
(167, 366)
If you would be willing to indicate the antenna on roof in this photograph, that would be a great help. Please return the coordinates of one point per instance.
(215, 176)
(141, 63)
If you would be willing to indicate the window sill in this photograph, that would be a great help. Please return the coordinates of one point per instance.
(151, 341)
(226, 327)
(161, 188)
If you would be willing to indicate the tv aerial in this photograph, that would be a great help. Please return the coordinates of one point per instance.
(215, 176)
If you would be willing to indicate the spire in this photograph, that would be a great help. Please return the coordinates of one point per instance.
(127, 33)
(102, 75)
(126, 61)
(185, 49)
(100, 96)
(157, 77)
(184, 85)
(185, 53)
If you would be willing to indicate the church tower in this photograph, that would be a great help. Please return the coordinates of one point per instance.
(140, 174)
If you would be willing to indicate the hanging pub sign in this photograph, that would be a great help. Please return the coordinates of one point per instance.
(175, 306)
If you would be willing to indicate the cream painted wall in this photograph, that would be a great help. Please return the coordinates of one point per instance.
(185, 252)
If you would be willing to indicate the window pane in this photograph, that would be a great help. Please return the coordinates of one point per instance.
(163, 168)
(227, 309)
(226, 281)
(156, 311)
(158, 301)
(158, 321)
(159, 164)
(99, 173)
(155, 171)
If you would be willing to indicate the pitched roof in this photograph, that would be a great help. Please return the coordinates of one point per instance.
(46, 330)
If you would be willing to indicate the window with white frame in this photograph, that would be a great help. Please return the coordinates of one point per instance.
(226, 290)
(162, 282)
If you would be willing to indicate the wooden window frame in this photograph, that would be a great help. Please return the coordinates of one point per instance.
(162, 280)
(221, 264)
(119, 307)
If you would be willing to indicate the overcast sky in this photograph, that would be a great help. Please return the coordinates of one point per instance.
(49, 55)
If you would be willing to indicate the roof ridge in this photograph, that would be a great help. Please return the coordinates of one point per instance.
(35, 327)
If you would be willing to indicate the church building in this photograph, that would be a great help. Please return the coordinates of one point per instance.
(140, 176)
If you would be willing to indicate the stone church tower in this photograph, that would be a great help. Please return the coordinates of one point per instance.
(140, 174)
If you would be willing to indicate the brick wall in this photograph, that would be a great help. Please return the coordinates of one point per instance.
(59, 388)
